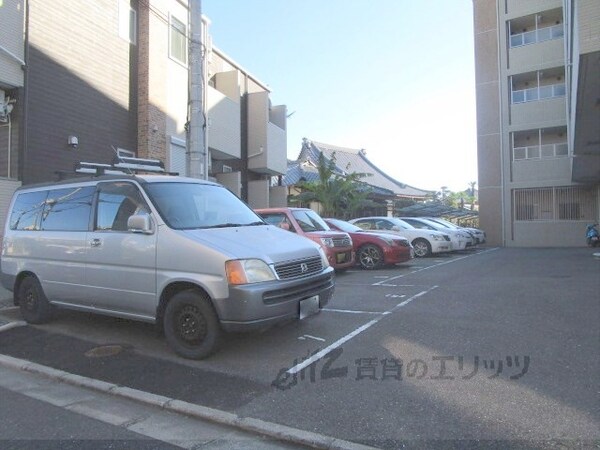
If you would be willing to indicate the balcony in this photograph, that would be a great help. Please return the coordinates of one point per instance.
(546, 151)
(535, 36)
(538, 93)
(267, 137)
(550, 111)
(223, 125)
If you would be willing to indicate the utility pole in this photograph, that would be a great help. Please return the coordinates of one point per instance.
(196, 148)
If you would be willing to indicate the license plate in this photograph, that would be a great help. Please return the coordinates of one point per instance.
(340, 258)
(309, 306)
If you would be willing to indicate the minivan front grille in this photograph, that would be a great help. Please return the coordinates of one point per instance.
(342, 242)
(315, 287)
(299, 268)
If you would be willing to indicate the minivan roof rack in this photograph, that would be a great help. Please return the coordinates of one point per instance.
(123, 165)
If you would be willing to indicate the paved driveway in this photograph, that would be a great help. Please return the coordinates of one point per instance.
(492, 345)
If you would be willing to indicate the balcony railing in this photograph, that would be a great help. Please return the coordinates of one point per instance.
(538, 93)
(539, 35)
(545, 151)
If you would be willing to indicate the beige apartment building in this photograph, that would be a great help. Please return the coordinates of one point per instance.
(246, 134)
(538, 119)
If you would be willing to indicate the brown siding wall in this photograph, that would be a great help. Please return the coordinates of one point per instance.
(82, 82)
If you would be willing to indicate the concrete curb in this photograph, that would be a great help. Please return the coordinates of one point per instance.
(269, 429)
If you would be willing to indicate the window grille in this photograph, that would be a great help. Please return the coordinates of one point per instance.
(554, 204)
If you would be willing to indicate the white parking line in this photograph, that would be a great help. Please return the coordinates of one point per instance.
(302, 338)
(384, 282)
(351, 311)
(297, 368)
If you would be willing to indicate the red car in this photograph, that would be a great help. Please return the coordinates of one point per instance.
(307, 223)
(374, 250)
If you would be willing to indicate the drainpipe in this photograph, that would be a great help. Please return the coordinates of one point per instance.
(23, 133)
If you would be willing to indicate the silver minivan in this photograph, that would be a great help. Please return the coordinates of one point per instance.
(183, 253)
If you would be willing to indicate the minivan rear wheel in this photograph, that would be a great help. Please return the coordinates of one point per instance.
(191, 325)
(33, 303)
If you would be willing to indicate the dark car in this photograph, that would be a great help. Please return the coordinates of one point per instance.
(374, 250)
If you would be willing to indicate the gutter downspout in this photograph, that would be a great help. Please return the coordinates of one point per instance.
(24, 128)
(501, 130)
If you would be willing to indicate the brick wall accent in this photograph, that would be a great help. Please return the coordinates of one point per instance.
(152, 42)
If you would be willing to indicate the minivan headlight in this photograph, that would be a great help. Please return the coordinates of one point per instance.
(327, 242)
(246, 271)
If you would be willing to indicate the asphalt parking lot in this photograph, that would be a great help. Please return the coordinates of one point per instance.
(488, 345)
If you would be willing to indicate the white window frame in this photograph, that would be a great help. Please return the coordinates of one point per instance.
(127, 22)
(173, 29)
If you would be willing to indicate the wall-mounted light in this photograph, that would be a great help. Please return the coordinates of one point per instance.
(73, 142)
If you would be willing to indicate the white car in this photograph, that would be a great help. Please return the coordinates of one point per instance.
(425, 242)
(459, 239)
(478, 235)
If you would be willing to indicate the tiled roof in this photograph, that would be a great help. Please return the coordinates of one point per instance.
(348, 161)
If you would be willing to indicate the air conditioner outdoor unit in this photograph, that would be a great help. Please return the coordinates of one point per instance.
(5, 106)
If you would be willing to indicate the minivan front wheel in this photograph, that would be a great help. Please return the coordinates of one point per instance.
(422, 248)
(191, 325)
(33, 303)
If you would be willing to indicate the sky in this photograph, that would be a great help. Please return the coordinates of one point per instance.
(394, 77)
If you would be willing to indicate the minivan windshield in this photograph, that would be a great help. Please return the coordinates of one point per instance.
(195, 205)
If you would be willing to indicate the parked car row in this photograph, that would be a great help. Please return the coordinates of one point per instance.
(185, 254)
(427, 235)
(373, 242)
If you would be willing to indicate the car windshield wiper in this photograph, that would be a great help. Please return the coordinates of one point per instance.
(233, 225)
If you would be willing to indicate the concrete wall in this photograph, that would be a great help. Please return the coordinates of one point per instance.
(516, 8)
(549, 170)
(258, 194)
(542, 113)
(589, 20)
(549, 234)
(232, 181)
(278, 196)
(537, 56)
(489, 136)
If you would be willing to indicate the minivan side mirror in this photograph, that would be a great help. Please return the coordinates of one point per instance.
(395, 228)
(140, 223)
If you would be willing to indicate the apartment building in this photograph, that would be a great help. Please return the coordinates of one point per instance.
(12, 75)
(538, 119)
(110, 77)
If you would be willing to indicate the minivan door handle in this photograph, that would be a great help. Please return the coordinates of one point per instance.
(96, 243)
